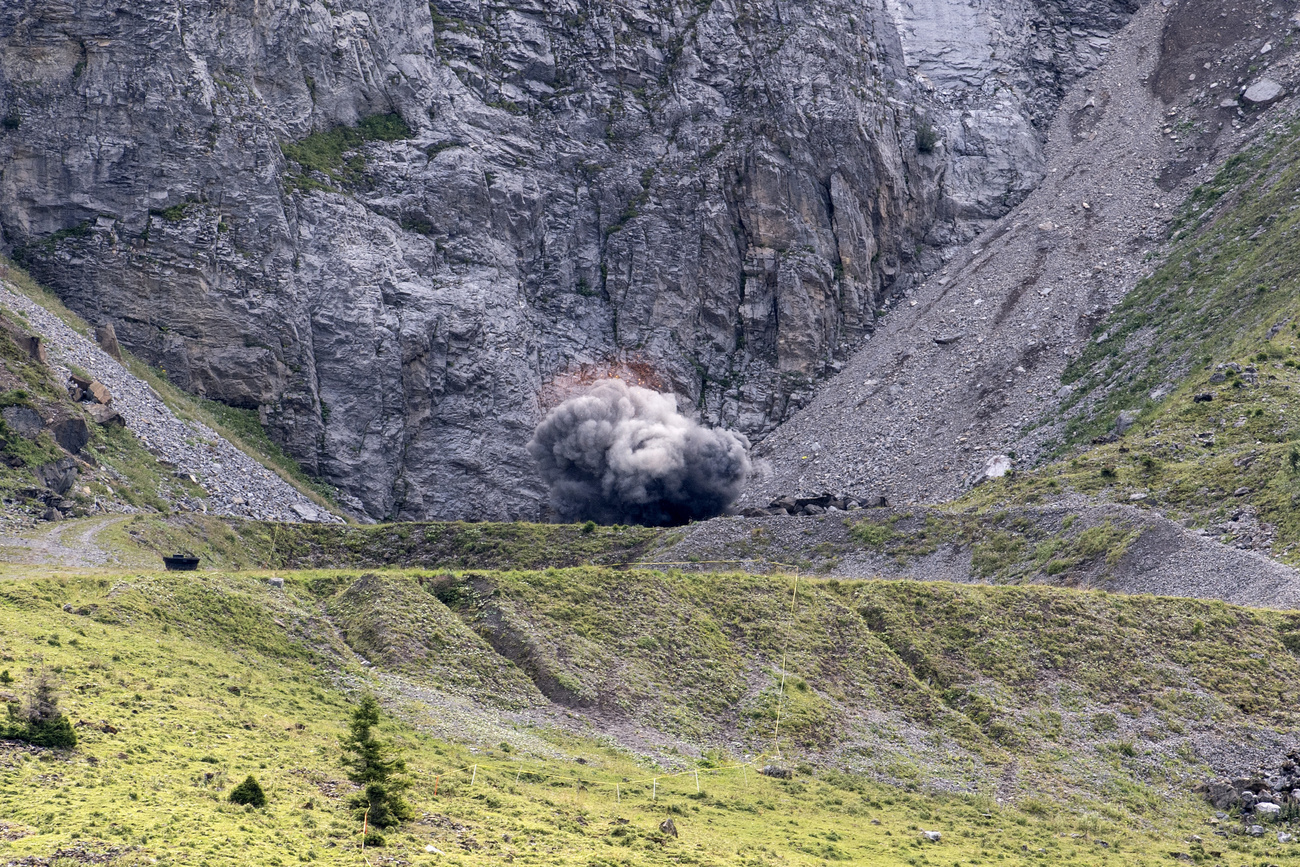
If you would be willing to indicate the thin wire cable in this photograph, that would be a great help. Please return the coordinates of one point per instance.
(785, 650)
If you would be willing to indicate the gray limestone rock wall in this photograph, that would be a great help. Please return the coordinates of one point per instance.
(710, 197)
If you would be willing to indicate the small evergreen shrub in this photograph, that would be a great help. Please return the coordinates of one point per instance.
(40, 722)
(55, 732)
(927, 137)
(249, 793)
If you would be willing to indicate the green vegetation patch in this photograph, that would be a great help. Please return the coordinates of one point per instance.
(184, 686)
(1006, 545)
(394, 622)
(46, 246)
(336, 153)
(234, 543)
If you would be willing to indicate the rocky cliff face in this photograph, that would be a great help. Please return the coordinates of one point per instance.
(402, 229)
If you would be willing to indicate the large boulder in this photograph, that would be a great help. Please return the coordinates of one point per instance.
(106, 337)
(23, 420)
(1264, 92)
(29, 343)
(106, 415)
(72, 433)
(58, 476)
(996, 467)
(1223, 795)
(91, 389)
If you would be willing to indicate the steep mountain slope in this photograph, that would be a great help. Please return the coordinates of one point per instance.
(1185, 401)
(82, 434)
(968, 367)
(399, 229)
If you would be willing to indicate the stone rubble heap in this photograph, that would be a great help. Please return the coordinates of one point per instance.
(814, 505)
(235, 484)
(1269, 796)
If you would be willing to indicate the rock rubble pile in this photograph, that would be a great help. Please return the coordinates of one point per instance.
(819, 504)
(232, 483)
(1268, 797)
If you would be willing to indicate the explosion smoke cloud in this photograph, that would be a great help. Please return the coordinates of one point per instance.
(620, 454)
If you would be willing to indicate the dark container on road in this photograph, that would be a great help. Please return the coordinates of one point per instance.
(181, 563)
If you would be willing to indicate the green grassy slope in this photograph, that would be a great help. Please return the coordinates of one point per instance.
(1219, 317)
(696, 655)
(183, 685)
(238, 544)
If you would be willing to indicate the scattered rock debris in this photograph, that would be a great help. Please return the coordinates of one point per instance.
(231, 482)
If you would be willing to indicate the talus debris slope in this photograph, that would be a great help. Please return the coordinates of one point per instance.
(969, 366)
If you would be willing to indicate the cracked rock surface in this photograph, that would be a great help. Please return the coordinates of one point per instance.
(714, 198)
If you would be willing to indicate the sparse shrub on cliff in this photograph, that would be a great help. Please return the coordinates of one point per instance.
(327, 152)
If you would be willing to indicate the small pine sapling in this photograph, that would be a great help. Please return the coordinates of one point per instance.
(40, 722)
(376, 767)
(249, 793)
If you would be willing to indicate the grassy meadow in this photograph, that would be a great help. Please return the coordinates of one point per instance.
(182, 685)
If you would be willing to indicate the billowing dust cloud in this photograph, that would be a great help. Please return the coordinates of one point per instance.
(620, 454)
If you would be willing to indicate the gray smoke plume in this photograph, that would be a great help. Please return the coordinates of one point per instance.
(620, 454)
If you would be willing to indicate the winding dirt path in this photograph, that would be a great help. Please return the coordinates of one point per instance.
(69, 544)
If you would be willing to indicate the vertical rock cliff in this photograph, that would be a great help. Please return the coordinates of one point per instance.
(401, 229)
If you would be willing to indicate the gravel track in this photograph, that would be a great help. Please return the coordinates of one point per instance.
(70, 545)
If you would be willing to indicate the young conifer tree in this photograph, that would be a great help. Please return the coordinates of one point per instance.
(41, 722)
(376, 767)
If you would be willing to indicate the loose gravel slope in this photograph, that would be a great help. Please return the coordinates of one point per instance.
(964, 366)
(236, 485)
